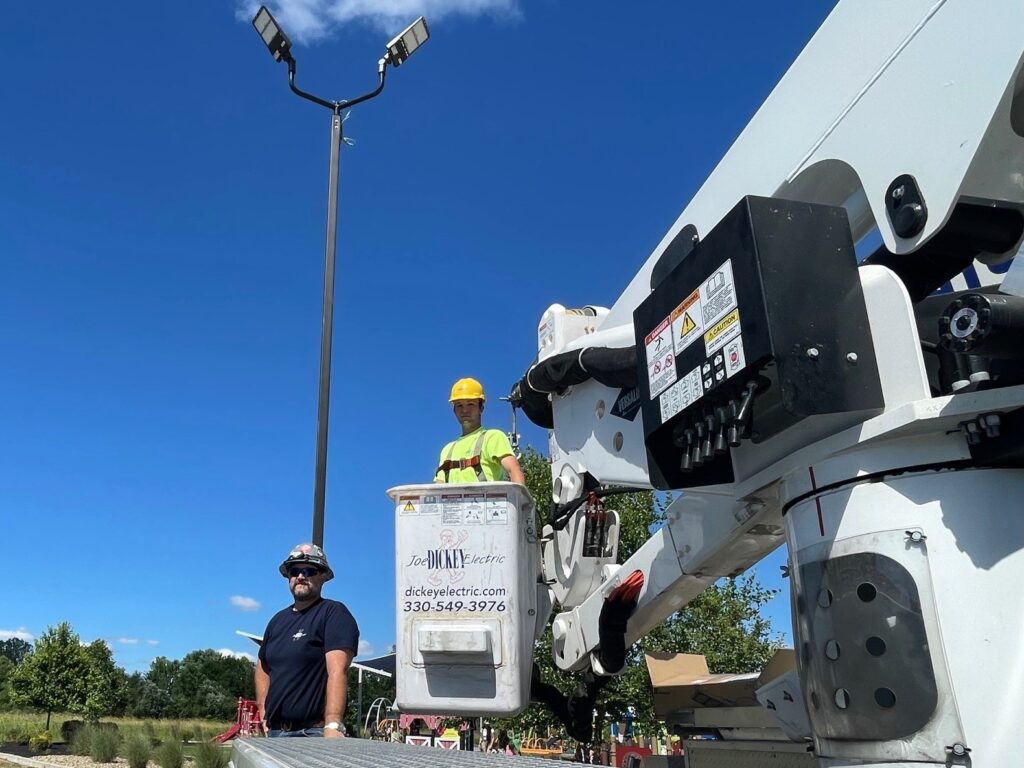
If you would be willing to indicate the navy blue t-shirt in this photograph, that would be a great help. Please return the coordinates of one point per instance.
(293, 654)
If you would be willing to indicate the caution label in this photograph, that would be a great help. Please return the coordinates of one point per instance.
(661, 359)
(722, 332)
(687, 322)
(681, 394)
(409, 504)
(718, 296)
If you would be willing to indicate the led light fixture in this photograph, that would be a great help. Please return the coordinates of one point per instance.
(276, 40)
(402, 47)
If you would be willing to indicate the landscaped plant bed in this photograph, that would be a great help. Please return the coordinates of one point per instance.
(58, 755)
(23, 750)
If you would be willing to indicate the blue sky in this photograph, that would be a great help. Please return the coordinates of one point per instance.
(162, 199)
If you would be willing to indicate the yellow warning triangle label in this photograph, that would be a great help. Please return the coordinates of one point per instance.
(688, 324)
(409, 507)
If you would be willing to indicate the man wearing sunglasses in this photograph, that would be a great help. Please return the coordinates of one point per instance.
(302, 670)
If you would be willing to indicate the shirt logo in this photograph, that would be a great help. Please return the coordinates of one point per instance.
(299, 635)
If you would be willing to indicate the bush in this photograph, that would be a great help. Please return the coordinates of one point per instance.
(210, 755)
(170, 755)
(81, 740)
(151, 734)
(137, 750)
(40, 742)
(70, 728)
(105, 743)
(186, 731)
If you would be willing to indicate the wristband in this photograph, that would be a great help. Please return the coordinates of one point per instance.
(335, 726)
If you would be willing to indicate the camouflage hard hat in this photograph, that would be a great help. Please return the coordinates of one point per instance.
(309, 554)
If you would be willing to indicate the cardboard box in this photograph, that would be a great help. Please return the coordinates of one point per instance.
(682, 681)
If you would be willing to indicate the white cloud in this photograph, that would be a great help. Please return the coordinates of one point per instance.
(128, 640)
(20, 633)
(152, 642)
(308, 20)
(365, 649)
(236, 654)
(245, 603)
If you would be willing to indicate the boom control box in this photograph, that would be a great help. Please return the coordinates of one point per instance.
(762, 324)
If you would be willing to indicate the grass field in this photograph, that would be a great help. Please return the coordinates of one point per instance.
(19, 726)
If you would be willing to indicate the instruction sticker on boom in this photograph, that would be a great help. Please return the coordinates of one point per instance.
(661, 359)
(687, 322)
(718, 295)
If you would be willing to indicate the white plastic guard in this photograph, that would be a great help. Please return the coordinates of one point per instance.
(466, 572)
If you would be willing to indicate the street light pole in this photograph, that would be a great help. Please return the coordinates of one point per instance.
(398, 51)
(326, 333)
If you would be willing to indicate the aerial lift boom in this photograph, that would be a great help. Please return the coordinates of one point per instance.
(861, 408)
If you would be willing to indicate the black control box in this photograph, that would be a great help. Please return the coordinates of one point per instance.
(761, 325)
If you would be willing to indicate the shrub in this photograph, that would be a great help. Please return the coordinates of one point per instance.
(25, 734)
(105, 742)
(151, 734)
(170, 755)
(137, 750)
(81, 740)
(210, 755)
(70, 728)
(186, 732)
(40, 742)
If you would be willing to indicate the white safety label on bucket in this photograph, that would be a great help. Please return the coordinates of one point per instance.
(681, 394)
(718, 295)
(661, 362)
(722, 332)
(734, 359)
(687, 322)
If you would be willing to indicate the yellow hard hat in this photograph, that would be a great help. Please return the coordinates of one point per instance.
(467, 389)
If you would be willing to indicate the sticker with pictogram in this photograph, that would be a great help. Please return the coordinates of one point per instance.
(681, 394)
(722, 332)
(661, 360)
(687, 322)
(718, 295)
(734, 359)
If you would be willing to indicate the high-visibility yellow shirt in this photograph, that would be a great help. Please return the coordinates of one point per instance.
(495, 447)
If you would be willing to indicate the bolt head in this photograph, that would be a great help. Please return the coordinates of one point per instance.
(812, 352)
(851, 358)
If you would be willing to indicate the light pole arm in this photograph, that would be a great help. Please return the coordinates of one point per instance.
(299, 92)
(337, 106)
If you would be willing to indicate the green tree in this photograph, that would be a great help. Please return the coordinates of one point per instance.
(6, 692)
(208, 684)
(53, 677)
(104, 684)
(723, 623)
(159, 685)
(15, 649)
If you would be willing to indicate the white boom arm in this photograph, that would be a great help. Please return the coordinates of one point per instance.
(900, 517)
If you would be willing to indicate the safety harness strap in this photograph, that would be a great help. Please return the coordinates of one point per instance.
(474, 461)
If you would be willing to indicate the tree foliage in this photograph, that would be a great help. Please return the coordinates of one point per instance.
(723, 623)
(53, 677)
(15, 650)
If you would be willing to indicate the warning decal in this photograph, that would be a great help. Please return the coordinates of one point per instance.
(722, 332)
(718, 296)
(685, 391)
(687, 322)
(409, 504)
(661, 362)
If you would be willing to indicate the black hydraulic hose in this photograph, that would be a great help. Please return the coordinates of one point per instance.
(560, 514)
